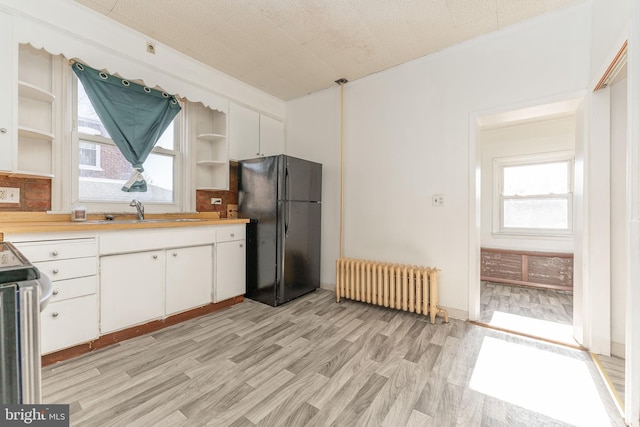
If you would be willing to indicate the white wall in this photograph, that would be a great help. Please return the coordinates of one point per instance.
(618, 215)
(536, 137)
(407, 138)
(313, 133)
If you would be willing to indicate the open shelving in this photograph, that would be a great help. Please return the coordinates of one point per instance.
(210, 148)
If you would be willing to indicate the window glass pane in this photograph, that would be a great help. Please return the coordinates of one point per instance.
(104, 183)
(166, 140)
(538, 179)
(536, 213)
(88, 121)
(88, 154)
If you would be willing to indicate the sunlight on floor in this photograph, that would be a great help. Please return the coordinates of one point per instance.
(536, 327)
(551, 384)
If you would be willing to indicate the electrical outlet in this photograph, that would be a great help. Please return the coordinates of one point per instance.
(9, 195)
(216, 201)
(437, 200)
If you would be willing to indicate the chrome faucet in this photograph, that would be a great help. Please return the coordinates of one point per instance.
(139, 207)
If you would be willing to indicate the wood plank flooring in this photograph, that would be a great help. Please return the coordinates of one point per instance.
(313, 362)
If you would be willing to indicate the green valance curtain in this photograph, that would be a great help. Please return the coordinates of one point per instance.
(134, 115)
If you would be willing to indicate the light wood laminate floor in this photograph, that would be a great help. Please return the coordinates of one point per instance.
(537, 303)
(313, 362)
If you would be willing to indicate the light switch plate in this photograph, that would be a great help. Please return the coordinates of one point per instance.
(437, 200)
(9, 195)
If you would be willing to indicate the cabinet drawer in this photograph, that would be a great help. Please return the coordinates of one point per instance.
(68, 268)
(68, 323)
(52, 250)
(73, 288)
(231, 232)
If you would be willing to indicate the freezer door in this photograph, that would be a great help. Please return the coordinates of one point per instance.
(302, 180)
(258, 188)
(300, 270)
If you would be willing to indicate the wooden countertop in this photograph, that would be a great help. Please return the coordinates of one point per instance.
(40, 222)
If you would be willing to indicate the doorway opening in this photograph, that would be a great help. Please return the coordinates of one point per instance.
(525, 190)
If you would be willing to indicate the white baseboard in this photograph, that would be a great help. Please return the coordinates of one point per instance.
(618, 349)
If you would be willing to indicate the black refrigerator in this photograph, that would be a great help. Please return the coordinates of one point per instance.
(281, 195)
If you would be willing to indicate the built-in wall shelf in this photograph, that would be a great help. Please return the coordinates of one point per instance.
(35, 134)
(211, 189)
(211, 136)
(27, 90)
(40, 86)
(209, 148)
(212, 162)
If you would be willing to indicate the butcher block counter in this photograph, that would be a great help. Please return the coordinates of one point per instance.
(40, 222)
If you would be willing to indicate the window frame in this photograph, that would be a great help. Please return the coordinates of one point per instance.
(181, 202)
(499, 164)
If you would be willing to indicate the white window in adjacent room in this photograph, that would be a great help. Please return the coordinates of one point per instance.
(102, 170)
(534, 194)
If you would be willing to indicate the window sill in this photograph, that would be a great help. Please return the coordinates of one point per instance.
(543, 234)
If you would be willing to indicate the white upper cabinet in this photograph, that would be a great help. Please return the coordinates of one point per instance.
(252, 134)
(271, 136)
(244, 132)
(7, 88)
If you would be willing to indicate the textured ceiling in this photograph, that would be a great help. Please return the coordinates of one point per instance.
(289, 48)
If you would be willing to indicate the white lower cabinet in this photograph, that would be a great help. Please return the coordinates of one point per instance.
(230, 263)
(69, 322)
(142, 286)
(189, 275)
(71, 315)
(131, 289)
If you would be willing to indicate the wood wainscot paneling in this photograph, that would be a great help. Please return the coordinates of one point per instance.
(552, 270)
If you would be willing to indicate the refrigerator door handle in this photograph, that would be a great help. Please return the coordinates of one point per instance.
(286, 198)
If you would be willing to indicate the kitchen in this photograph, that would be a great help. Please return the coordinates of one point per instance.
(422, 147)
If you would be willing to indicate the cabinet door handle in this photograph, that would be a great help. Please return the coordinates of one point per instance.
(3, 130)
(155, 257)
(175, 254)
(54, 253)
(54, 314)
(233, 234)
(55, 271)
(241, 245)
(55, 292)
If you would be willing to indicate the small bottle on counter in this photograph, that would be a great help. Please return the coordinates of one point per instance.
(78, 213)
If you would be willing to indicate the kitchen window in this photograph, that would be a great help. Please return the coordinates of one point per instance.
(101, 169)
(534, 194)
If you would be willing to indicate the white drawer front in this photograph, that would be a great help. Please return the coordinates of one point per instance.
(68, 323)
(73, 288)
(231, 232)
(68, 268)
(60, 249)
